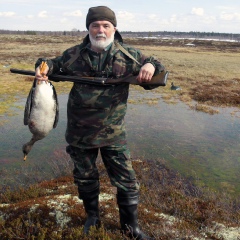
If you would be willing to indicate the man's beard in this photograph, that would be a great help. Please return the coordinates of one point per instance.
(101, 44)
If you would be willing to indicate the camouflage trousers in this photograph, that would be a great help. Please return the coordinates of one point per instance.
(116, 159)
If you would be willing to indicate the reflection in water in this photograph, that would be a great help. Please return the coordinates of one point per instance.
(196, 144)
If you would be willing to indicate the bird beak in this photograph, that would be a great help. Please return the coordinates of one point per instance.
(25, 157)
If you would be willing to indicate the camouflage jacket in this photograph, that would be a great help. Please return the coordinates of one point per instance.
(96, 112)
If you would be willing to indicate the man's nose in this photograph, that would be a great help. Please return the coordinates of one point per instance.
(101, 29)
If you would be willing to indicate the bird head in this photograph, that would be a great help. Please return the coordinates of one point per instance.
(26, 149)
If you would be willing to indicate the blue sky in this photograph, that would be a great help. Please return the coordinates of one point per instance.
(132, 15)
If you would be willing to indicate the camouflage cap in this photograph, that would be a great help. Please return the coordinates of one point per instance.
(100, 13)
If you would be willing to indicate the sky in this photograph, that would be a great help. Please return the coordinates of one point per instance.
(222, 16)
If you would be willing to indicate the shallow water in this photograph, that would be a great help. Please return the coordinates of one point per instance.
(205, 147)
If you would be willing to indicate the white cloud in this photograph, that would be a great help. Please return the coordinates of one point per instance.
(197, 11)
(64, 20)
(226, 16)
(173, 18)
(7, 14)
(153, 17)
(230, 16)
(225, 8)
(30, 16)
(76, 13)
(210, 19)
(125, 15)
(42, 14)
(237, 16)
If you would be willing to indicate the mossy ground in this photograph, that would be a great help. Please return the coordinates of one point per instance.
(170, 208)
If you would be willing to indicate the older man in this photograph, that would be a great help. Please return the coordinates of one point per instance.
(96, 115)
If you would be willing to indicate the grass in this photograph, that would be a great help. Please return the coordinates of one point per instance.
(208, 73)
(206, 77)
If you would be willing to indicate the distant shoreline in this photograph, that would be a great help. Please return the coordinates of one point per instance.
(145, 34)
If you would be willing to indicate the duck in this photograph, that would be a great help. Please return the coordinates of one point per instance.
(41, 112)
(173, 87)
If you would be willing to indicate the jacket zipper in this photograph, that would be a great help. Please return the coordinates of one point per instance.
(99, 63)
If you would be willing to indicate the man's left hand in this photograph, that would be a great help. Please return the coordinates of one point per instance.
(146, 72)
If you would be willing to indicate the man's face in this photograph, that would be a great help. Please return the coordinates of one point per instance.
(101, 34)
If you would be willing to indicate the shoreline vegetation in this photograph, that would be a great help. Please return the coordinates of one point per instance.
(207, 71)
(171, 207)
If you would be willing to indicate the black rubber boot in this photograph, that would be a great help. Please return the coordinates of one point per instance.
(127, 203)
(90, 203)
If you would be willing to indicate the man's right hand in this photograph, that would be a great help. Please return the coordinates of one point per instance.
(41, 72)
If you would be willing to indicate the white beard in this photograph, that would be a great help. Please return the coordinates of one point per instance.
(101, 44)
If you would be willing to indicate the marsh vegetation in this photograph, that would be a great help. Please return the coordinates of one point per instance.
(171, 206)
(208, 73)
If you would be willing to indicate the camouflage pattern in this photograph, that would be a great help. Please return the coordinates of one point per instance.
(116, 159)
(96, 113)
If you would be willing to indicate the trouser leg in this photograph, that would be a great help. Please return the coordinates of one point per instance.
(122, 175)
(86, 177)
(116, 159)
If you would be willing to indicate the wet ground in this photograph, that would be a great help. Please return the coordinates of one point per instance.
(201, 146)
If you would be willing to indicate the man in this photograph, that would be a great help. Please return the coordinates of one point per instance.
(96, 115)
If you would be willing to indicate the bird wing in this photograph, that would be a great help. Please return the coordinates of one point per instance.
(56, 107)
(29, 103)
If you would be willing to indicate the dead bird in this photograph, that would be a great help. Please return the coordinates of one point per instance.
(41, 112)
(173, 87)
